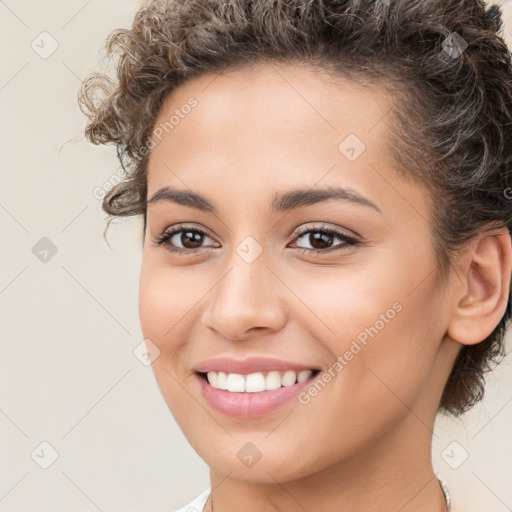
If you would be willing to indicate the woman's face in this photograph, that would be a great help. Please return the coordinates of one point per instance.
(263, 148)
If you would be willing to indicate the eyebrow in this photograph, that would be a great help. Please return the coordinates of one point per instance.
(281, 202)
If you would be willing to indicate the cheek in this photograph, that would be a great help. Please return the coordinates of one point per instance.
(154, 303)
(165, 297)
(385, 335)
(395, 350)
(163, 320)
(344, 304)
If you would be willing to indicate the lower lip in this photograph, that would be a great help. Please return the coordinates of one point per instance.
(250, 405)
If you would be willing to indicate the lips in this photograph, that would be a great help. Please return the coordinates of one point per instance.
(250, 365)
(244, 405)
(252, 387)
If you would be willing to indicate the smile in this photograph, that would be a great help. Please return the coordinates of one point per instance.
(254, 394)
(256, 382)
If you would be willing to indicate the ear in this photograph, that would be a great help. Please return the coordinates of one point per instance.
(481, 294)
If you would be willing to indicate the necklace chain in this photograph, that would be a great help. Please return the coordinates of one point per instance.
(443, 485)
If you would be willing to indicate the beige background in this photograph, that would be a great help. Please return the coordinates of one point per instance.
(69, 325)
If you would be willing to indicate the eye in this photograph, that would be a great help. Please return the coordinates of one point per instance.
(183, 239)
(322, 238)
(191, 239)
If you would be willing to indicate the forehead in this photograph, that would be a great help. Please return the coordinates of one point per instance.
(276, 98)
(270, 125)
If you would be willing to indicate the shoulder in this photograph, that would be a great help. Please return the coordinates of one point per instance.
(197, 504)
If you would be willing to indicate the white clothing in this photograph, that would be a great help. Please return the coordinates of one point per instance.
(197, 504)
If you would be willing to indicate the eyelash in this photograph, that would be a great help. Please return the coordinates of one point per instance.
(348, 240)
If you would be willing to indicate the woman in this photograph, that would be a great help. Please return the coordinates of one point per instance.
(325, 188)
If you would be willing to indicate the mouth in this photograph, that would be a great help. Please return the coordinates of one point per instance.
(252, 395)
(256, 382)
(252, 387)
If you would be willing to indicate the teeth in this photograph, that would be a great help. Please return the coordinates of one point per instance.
(255, 382)
(235, 383)
(272, 381)
(302, 376)
(289, 378)
(221, 380)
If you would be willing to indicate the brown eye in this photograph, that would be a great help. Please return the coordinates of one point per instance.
(183, 239)
(321, 239)
(190, 239)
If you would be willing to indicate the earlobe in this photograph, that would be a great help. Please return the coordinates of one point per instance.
(481, 297)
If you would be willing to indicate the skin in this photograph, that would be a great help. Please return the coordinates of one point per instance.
(363, 443)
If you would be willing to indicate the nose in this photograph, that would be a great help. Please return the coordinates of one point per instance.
(247, 300)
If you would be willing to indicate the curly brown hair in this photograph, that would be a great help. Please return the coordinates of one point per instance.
(453, 125)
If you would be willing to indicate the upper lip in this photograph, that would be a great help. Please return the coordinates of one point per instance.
(249, 365)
